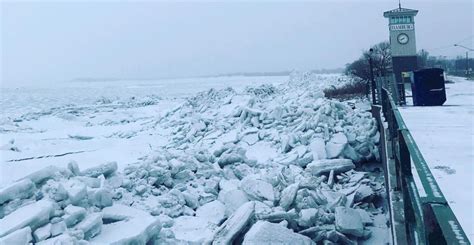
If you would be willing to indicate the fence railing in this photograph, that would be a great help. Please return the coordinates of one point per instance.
(428, 219)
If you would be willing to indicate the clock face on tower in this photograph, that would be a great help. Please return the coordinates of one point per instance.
(402, 38)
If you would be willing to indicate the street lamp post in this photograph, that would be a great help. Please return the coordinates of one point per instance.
(372, 75)
(467, 57)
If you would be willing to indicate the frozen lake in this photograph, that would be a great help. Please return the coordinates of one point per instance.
(15, 101)
(53, 113)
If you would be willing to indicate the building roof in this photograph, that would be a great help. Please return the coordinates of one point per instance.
(398, 11)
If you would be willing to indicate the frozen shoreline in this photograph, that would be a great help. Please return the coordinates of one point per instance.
(223, 157)
(41, 118)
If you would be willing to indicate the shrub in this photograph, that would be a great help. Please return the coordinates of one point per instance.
(355, 89)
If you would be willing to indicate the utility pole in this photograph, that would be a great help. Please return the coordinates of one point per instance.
(467, 64)
(467, 57)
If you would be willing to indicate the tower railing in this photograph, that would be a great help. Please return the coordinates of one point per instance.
(426, 219)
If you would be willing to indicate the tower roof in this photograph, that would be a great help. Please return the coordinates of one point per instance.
(399, 11)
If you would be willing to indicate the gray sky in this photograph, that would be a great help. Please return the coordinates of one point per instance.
(53, 41)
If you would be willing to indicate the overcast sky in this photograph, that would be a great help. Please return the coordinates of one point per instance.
(54, 41)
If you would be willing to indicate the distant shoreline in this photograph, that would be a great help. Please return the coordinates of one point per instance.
(235, 74)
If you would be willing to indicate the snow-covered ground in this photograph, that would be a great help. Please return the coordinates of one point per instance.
(266, 159)
(445, 136)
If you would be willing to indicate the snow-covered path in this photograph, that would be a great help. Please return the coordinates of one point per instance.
(445, 136)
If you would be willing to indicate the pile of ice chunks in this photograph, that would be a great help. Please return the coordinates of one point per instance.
(271, 163)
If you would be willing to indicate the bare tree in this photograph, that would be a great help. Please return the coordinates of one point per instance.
(382, 58)
(359, 68)
(381, 61)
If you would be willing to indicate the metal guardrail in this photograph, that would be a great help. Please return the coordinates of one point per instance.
(427, 219)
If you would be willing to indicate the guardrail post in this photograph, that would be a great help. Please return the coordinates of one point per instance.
(404, 154)
(434, 234)
(415, 222)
